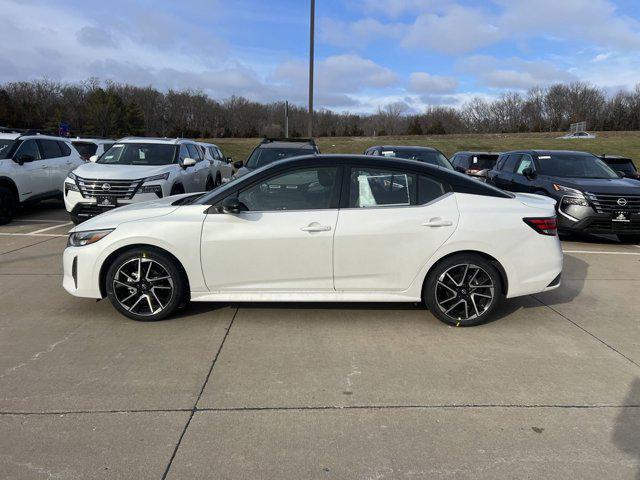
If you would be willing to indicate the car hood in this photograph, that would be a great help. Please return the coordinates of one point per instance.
(612, 186)
(131, 213)
(120, 172)
(535, 201)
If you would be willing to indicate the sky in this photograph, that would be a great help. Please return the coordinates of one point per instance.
(369, 53)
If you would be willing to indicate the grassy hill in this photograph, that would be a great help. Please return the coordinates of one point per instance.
(614, 143)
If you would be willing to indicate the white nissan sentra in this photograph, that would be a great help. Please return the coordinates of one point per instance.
(323, 229)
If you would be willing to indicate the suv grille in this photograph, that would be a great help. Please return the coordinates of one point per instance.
(614, 203)
(90, 187)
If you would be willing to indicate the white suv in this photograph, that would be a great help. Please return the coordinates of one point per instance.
(135, 170)
(221, 168)
(32, 168)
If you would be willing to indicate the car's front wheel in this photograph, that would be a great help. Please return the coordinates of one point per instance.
(8, 205)
(629, 238)
(463, 290)
(145, 284)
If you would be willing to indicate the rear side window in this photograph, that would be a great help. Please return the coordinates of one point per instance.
(66, 150)
(50, 149)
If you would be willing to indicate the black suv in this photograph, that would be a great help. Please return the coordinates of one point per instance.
(429, 155)
(623, 165)
(273, 149)
(475, 164)
(591, 197)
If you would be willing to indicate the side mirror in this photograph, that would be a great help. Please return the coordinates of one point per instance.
(25, 158)
(621, 174)
(93, 158)
(188, 162)
(228, 159)
(528, 173)
(233, 206)
(238, 164)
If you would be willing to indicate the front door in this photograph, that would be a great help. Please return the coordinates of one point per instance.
(283, 242)
(33, 177)
(395, 222)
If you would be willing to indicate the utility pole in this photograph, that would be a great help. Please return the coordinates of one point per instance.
(311, 56)
(286, 119)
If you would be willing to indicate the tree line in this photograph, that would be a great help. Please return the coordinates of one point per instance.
(112, 109)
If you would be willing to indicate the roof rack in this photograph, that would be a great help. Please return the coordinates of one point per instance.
(310, 141)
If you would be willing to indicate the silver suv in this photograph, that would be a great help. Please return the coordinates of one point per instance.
(32, 168)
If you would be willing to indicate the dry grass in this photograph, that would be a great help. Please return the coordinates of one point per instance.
(614, 143)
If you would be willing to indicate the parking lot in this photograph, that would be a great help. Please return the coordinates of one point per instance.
(551, 389)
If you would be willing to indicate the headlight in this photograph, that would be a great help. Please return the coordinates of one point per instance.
(72, 176)
(163, 176)
(562, 188)
(157, 189)
(80, 239)
(575, 201)
(69, 186)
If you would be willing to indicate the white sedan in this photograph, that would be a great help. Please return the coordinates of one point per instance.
(323, 229)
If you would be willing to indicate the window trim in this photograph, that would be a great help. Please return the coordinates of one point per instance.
(335, 195)
(346, 187)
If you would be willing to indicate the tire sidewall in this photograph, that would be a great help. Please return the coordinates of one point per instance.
(167, 263)
(428, 293)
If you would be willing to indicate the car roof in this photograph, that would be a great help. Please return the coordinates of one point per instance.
(468, 152)
(614, 157)
(548, 152)
(412, 147)
(9, 136)
(161, 140)
(305, 145)
(92, 140)
(205, 144)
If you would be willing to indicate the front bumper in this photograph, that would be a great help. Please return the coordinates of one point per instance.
(79, 277)
(601, 223)
(83, 208)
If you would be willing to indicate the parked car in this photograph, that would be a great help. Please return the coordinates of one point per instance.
(475, 164)
(623, 165)
(272, 149)
(577, 136)
(92, 147)
(590, 196)
(420, 154)
(135, 170)
(323, 228)
(32, 168)
(221, 168)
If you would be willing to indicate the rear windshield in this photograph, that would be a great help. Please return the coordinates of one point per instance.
(482, 162)
(139, 154)
(85, 149)
(574, 165)
(264, 156)
(427, 156)
(6, 147)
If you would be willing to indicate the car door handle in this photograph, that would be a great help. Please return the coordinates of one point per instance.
(316, 228)
(437, 222)
(44, 167)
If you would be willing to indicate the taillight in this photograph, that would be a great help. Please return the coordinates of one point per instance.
(543, 225)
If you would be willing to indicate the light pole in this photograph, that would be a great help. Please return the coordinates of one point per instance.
(311, 41)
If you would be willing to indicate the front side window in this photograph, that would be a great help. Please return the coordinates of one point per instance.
(304, 189)
(28, 148)
(5, 148)
(574, 165)
(526, 162)
(510, 164)
(139, 154)
(194, 152)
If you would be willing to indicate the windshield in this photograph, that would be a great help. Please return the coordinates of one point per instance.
(574, 165)
(264, 156)
(139, 154)
(5, 147)
(433, 157)
(482, 162)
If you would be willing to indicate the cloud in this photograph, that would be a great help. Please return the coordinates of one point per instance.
(459, 30)
(96, 37)
(514, 73)
(425, 83)
(357, 34)
(396, 8)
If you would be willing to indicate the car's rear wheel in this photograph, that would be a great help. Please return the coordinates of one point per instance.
(145, 285)
(8, 205)
(463, 290)
(218, 181)
(629, 238)
(209, 185)
(177, 190)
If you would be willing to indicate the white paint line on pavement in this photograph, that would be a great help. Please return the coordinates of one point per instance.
(38, 220)
(601, 252)
(51, 228)
(33, 235)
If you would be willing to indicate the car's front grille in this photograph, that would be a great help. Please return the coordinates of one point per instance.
(614, 203)
(84, 211)
(91, 187)
(603, 225)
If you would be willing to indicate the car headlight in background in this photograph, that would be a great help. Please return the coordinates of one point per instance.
(575, 201)
(572, 191)
(70, 184)
(80, 239)
(162, 176)
(157, 189)
(72, 176)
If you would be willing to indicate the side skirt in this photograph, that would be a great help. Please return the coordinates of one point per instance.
(304, 297)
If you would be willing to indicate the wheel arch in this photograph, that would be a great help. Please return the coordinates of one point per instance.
(501, 271)
(104, 268)
(11, 185)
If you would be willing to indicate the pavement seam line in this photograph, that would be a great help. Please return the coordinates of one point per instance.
(27, 246)
(588, 332)
(195, 405)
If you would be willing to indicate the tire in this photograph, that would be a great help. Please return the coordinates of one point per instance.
(463, 290)
(209, 185)
(629, 238)
(8, 205)
(177, 190)
(218, 181)
(142, 299)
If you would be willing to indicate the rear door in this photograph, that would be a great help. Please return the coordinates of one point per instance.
(503, 178)
(283, 242)
(394, 222)
(200, 171)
